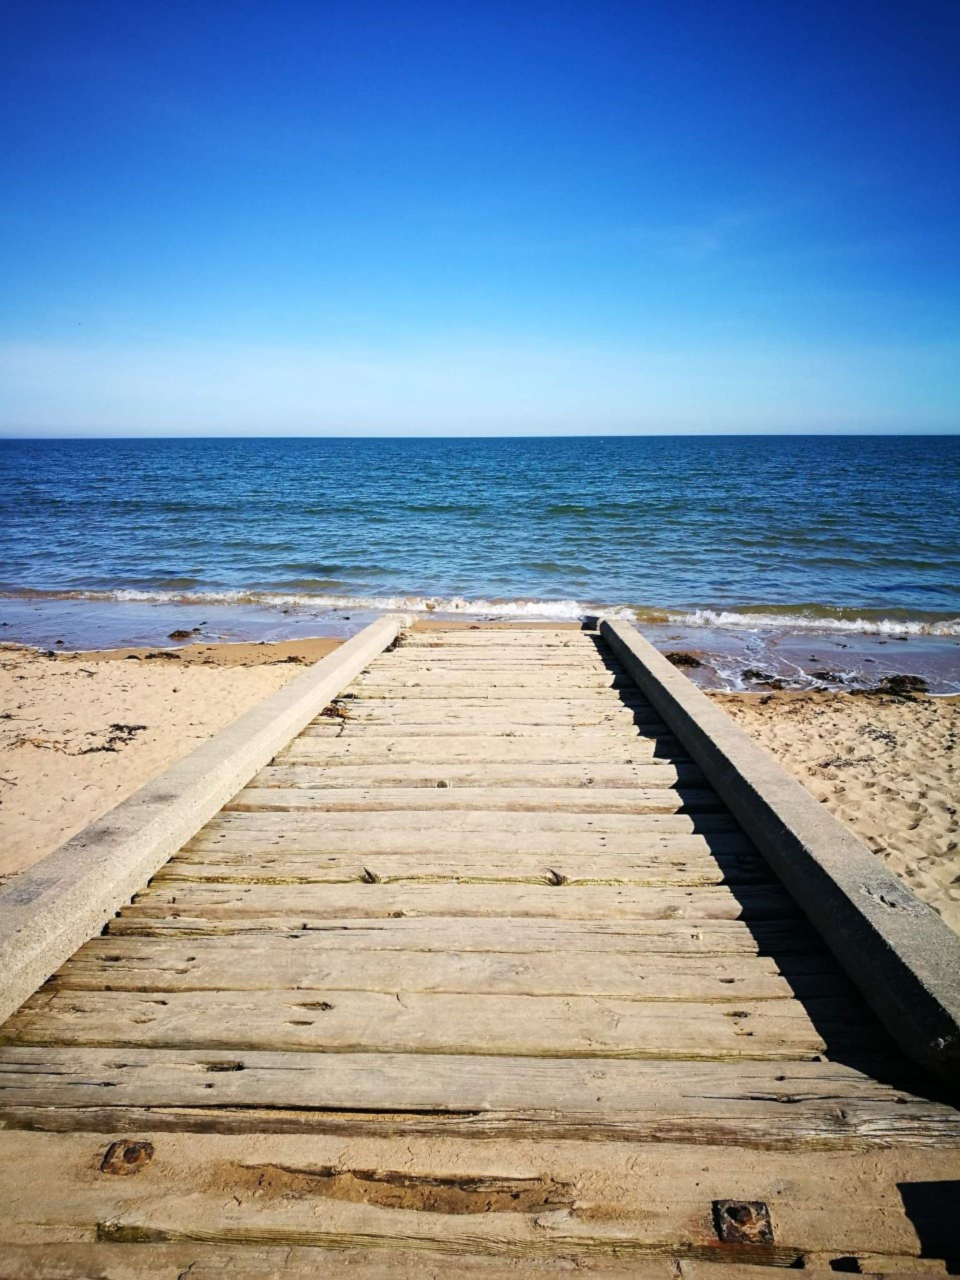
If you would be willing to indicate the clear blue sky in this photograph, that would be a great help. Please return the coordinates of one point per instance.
(325, 216)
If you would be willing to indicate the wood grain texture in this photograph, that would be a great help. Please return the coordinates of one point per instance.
(536, 1201)
(318, 773)
(310, 963)
(437, 1022)
(746, 1104)
(513, 822)
(651, 869)
(470, 742)
(302, 796)
(448, 901)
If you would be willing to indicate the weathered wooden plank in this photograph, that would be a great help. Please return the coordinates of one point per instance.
(547, 659)
(339, 1021)
(457, 800)
(612, 690)
(297, 963)
(464, 743)
(764, 1105)
(372, 901)
(495, 715)
(453, 684)
(480, 698)
(415, 640)
(254, 1261)
(663, 870)
(529, 676)
(506, 644)
(243, 835)
(507, 822)
(533, 719)
(522, 1201)
(780, 938)
(318, 773)
(265, 1262)
(498, 696)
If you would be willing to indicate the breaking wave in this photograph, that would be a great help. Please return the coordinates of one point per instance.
(808, 617)
(849, 621)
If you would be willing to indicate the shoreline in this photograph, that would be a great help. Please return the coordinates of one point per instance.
(731, 657)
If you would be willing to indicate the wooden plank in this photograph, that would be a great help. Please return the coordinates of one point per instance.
(372, 901)
(254, 1261)
(590, 675)
(503, 710)
(299, 963)
(265, 1262)
(781, 938)
(504, 644)
(318, 773)
(521, 1201)
(581, 800)
(482, 718)
(505, 822)
(504, 675)
(480, 696)
(463, 743)
(493, 694)
(376, 1022)
(572, 685)
(244, 835)
(751, 1104)
(545, 658)
(651, 869)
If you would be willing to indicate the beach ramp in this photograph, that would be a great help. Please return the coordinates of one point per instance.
(486, 952)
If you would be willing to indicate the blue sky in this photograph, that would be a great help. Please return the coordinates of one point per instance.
(516, 217)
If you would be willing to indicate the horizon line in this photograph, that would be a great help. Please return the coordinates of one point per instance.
(872, 433)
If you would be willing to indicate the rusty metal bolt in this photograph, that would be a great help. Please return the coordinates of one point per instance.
(742, 1222)
(126, 1157)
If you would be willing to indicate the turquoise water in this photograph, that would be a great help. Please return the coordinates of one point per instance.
(841, 535)
(789, 526)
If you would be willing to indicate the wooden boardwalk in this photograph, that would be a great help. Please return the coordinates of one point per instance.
(479, 977)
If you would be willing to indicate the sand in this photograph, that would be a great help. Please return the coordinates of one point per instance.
(888, 767)
(81, 732)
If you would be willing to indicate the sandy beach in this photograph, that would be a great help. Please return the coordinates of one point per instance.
(80, 732)
(887, 766)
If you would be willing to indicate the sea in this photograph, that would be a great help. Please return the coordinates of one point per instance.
(814, 561)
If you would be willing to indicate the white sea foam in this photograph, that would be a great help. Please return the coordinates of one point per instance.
(551, 610)
(787, 621)
(559, 610)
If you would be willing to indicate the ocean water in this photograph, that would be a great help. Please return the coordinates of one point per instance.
(827, 535)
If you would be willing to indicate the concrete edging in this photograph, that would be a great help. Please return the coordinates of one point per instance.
(898, 951)
(49, 910)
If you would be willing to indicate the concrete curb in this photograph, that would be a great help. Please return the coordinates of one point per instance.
(901, 955)
(51, 909)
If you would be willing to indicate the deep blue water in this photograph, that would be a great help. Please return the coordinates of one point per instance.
(792, 525)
